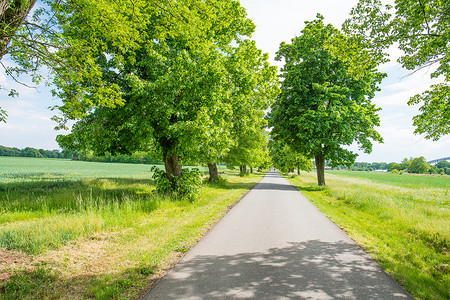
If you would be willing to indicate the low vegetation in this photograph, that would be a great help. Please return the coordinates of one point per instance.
(403, 221)
(76, 230)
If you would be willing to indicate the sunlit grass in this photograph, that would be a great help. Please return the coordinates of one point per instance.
(406, 227)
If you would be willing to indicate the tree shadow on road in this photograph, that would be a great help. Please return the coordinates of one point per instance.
(310, 188)
(307, 270)
(274, 186)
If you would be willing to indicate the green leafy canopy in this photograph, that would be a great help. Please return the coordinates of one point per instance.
(325, 100)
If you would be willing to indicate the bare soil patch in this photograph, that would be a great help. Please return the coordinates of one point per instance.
(10, 261)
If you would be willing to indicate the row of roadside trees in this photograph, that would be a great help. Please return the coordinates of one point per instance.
(192, 87)
(179, 78)
(184, 79)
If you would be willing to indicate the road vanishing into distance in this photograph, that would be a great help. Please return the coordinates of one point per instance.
(274, 244)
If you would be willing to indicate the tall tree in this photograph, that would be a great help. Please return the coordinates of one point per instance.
(250, 88)
(255, 88)
(325, 104)
(422, 31)
(250, 148)
(285, 158)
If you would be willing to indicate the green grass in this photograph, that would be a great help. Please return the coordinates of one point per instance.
(97, 230)
(27, 284)
(407, 180)
(404, 225)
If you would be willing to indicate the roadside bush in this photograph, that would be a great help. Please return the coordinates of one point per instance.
(187, 186)
(219, 182)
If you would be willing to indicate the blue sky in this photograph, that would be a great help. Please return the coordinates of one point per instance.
(29, 121)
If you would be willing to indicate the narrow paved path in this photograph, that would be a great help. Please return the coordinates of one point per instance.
(276, 245)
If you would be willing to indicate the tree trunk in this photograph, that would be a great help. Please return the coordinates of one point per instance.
(244, 169)
(11, 17)
(320, 166)
(172, 164)
(251, 170)
(298, 168)
(213, 174)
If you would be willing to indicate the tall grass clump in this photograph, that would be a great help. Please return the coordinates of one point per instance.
(87, 215)
(405, 226)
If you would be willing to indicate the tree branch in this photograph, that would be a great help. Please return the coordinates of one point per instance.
(8, 71)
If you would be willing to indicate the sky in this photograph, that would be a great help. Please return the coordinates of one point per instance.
(29, 123)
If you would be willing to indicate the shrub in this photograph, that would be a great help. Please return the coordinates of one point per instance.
(219, 182)
(187, 186)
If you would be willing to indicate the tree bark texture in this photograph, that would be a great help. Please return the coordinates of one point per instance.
(298, 168)
(320, 166)
(244, 169)
(213, 173)
(12, 15)
(172, 164)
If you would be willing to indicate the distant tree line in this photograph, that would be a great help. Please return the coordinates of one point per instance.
(134, 158)
(364, 166)
(30, 152)
(416, 165)
(139, 157)
(419, 165)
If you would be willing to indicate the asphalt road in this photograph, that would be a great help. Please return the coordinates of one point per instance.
(276, 245)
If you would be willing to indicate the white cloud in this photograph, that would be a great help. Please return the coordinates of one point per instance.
(28, 123)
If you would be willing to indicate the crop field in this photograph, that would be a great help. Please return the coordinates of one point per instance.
(72, 229)
(403, 221)
(406, 180)
(19, 169)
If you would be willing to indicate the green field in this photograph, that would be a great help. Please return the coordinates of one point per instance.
(17, 169)
(72, 229)
(403, 221)
(406, 180)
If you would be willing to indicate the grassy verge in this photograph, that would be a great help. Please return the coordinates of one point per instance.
(98, 237)
(406, 228)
